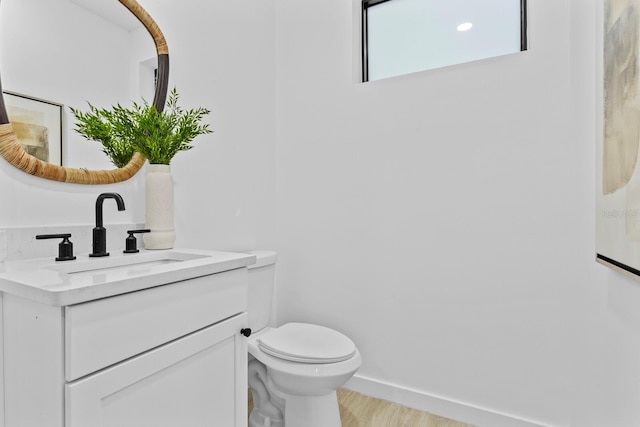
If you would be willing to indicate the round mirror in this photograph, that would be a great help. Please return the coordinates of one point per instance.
(59, 53)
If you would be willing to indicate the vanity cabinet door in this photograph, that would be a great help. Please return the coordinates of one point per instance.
(198, 380)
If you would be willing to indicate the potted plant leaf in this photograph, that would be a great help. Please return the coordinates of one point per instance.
(159, 136)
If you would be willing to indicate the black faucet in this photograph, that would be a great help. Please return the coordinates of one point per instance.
(99, 232)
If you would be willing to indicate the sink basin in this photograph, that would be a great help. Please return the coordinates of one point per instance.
(131, 264)
(86, 278)
(133, 268)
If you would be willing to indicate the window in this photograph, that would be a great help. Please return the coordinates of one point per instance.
(405, 36)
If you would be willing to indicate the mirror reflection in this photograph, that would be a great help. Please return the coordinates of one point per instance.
(71, 52)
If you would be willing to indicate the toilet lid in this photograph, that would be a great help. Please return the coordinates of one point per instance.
(307, 343)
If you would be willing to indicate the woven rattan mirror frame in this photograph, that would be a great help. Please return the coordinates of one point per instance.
(13, 152)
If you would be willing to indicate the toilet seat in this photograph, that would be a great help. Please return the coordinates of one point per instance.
(307, 343)
(304, 380)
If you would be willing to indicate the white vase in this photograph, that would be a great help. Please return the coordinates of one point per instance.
(159, 208)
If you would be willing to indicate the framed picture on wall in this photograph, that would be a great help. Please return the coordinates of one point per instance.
(618, 136)
(37, 124)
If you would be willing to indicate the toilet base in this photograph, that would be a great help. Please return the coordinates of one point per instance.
(312, 411)
(302, 411)
(275, 408)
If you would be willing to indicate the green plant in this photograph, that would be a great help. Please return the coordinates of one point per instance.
(106, 127)
(142, 128)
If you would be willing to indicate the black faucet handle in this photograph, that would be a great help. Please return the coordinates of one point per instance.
(65, 248)
(131, 243)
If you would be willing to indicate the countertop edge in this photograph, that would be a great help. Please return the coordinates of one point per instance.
(66, 297)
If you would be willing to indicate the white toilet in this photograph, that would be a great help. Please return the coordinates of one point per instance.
(294, 369)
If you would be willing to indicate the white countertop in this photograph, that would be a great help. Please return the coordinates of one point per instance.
(61, 283)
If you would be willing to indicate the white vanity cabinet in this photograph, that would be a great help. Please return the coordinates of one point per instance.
(169, 355)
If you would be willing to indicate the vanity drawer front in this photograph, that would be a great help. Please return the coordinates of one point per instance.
(107, 331)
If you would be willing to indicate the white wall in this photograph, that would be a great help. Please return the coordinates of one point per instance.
(223, 57)
(444, 220)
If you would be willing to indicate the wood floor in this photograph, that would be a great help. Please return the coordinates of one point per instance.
(357, 410)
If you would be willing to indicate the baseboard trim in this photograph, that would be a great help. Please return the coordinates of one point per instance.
(455, 410)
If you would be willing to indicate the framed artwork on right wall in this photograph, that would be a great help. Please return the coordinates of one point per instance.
(618, 137)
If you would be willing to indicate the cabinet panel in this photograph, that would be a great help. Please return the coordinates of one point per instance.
(198, 380)
(103, 332)
(33, 362)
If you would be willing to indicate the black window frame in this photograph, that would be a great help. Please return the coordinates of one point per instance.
(366, 4)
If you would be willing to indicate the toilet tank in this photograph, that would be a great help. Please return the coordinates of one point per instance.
(261, 287)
